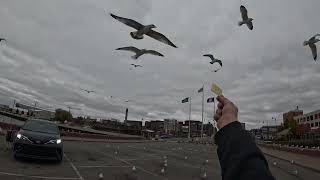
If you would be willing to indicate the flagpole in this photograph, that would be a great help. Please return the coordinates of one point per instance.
(189, 118)
(214, 111)
(202, 111)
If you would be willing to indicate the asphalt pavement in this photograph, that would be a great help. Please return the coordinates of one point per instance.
(132, 161)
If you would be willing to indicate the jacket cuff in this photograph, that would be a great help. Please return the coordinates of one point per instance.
(225, 131)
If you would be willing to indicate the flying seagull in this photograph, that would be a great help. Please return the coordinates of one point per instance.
(312, 44)
(88, 91)
(139, 52)
(143, 29)
(245, 19)
(2, 39)
(214, 60)
(136, 65)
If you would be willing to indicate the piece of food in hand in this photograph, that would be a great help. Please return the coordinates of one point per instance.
(216, 89)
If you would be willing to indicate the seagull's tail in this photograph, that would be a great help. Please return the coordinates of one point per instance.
(240, 23)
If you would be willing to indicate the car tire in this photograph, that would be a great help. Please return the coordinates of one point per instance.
(59, 157)
(15, 156)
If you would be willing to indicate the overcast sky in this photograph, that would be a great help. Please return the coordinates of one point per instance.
(54, 48)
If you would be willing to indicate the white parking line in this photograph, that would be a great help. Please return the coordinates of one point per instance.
(137, 159)
(73, 167)
(107, 166)
(37, 177)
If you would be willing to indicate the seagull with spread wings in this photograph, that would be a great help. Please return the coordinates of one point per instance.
(214, 60)
(143, 30)
(88, 91)
(136, 65)
(312, 44)
(139, 52)
(245, 19)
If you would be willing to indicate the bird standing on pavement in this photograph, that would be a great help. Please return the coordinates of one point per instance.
(214, 60)
(139, 52)
(245, 19)
(143, 30)
(312, 44)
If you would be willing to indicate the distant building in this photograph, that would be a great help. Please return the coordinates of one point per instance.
(195, 127)
(157, 125)
(133, 127)
(170, 126)
(4, 107)
(131, 123)
(288, 116)
(269, 132)
(311, 119)
(44, 114)
(208, 129)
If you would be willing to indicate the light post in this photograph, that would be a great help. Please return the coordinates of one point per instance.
(275, 120)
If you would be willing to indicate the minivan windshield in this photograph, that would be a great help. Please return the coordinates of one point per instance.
(39, 126)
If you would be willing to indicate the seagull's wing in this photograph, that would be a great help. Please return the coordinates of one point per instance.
(153, 52)
(129, 22)
(2, 39)
(209, 55)
(313, 48)
(244, 12)
(316, 35)
(160, 37)
(129, 48)
(218, 61)
(139, 66)
(132, 64)
(250, 25)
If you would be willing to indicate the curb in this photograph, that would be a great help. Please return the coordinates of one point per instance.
(303, 166)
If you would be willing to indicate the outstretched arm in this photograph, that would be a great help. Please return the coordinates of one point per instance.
(239, 156)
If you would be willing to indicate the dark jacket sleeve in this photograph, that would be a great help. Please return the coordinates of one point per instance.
(239, 156)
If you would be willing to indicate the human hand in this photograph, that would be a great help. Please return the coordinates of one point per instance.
(226, 113)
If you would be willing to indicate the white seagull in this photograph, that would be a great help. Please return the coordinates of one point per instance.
(88, 91)
(143, 29)
(136, 65)
(245, 19)
(139, 52)
(214, 60)
(312, 44)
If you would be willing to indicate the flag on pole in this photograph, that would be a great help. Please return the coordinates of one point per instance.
(200, 90)
(210, 100)
(185, 100)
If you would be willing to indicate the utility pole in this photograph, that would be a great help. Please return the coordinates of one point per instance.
(202, 111)
(189, 136)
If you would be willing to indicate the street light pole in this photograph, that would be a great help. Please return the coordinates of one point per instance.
(189, 135)
(275, 120)
(202, 111)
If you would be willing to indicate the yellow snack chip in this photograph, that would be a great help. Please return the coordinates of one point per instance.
(216, 89)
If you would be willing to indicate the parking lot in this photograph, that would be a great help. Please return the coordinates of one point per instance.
(158, 160)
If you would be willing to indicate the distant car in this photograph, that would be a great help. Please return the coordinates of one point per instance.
(38, 139)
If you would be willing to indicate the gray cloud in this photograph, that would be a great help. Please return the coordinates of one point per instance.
(57, 47)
